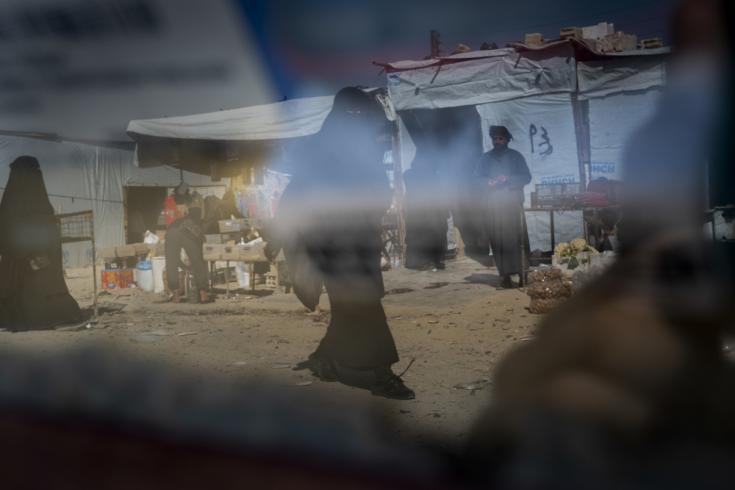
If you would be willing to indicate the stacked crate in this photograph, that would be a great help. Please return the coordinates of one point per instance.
(652, 43)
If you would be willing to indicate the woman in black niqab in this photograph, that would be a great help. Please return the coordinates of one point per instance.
(330, 222)
(33, 293)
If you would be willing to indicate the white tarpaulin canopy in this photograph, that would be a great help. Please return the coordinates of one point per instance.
(287, 119)
(223, 143)
(623, 74)
(498, 75)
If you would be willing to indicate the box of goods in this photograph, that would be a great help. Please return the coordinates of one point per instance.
(598, 31)
(534, 38)
(213, 238)
(230, 225)
(212, 251)
(156, 249)
(124, 251)
(117, 278)
(141, 248)
(571, 33)
(107, 254)
(652, 43)
(230, 252)
(161, 234)
(617, 42)
(253, 252)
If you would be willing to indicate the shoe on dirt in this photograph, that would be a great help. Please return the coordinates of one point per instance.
(394, 388)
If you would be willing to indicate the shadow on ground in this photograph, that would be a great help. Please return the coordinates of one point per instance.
(492, 280)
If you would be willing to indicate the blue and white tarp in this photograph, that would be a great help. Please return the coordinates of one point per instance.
(613, 120)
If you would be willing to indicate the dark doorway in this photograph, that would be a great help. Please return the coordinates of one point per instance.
(143, 206)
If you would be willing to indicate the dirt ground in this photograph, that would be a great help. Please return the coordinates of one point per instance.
(455, 323)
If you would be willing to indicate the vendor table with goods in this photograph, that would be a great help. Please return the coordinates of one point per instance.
(597, 222)
(230, 246)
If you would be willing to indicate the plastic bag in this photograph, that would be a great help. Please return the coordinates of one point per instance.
(150, 238)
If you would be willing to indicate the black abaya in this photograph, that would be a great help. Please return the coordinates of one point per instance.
(33, 293)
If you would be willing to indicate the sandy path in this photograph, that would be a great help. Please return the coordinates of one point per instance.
(455, 324)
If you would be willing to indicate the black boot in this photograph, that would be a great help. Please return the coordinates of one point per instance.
(507, 282)
(389, 385)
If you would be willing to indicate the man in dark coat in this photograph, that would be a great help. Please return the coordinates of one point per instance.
(33, 293)
(330, 217)
(503, 173)
(186, 234)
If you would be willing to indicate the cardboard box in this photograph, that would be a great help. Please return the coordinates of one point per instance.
(107, 253)
(214, 238)
(254, 253)
(157, 250)
(571, 33)
(230, 252)
(236, 253)
(141, 248)
(616, 43)
(230, 225)
(652, 43)
(598, 31)
(534, 38)
(161, 234)
(125, 251)
(212, 251)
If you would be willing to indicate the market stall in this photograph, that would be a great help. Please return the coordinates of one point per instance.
(256, 147)
(569, 108)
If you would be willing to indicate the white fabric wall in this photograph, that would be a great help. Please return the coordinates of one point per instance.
(80, 177)
(552, 116)
(613, 120)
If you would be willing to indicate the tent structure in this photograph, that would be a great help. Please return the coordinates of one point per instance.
(82, 176)
(569, 108)
(224, 143)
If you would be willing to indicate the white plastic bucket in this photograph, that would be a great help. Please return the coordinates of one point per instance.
(159, 264)
(144, 276)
